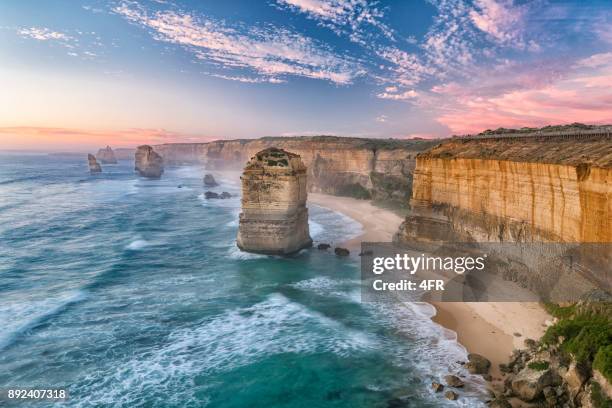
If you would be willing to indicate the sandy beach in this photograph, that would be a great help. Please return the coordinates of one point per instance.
(492, 329)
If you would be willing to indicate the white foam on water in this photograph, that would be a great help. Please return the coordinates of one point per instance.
(236, 338)
(315, 228)
(347, 289)
(17, 317)
(438, 349)
(236, 253)
(137, 244)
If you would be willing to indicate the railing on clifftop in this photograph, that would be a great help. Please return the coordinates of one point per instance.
(569, 134)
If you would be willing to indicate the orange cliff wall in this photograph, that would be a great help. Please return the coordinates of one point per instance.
(518, 200)
(524, 191)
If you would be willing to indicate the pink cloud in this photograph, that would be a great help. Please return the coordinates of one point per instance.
(53, 138)
(581, 96)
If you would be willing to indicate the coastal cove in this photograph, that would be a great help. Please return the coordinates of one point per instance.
(486, 328)
(132, 291)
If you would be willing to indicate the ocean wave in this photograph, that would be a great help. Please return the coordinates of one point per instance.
(18, 318)
(236, 253)
(137, 245)
(236, 338)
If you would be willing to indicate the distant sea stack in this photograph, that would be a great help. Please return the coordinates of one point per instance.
(209, 181)
(274, 218)
(106, 156)
(148, 163)
(94, 166)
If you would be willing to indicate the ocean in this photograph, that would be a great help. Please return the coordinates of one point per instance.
(131, 292)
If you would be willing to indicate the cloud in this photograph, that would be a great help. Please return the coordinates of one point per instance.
(43, 34)
(580, 96)
(345, 17)
(596, 60)
(381, 118)
(33, 137)
(249, 80)
(411, 94)
(265, 51)
(500, 19)
(79, 44)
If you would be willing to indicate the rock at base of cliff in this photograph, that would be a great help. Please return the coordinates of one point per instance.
(529, 383)
(209, 181)
(341, 251)
(454, 381)
(451, 395)
(323, 247)
(148, 163)
(477, 364)
(94, 166)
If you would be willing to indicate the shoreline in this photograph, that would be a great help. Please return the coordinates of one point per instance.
(506, 324)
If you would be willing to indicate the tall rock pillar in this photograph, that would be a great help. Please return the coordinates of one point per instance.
(274, 218)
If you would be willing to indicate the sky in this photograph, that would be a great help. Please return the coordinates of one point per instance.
(80, 75)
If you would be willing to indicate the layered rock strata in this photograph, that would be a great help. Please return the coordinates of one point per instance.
(148, 163)
(106, 156)
(355, 167)
(94, 166)
(274, 218)
(524, 191)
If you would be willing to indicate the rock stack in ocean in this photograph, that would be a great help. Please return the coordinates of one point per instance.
(148, 163)
(209, 180)
(106, 156)
(274, 218)
(94, 166)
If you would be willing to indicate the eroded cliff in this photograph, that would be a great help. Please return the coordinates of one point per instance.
(362, 168)
(511, 190)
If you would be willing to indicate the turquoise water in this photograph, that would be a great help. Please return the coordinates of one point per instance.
(131, 293)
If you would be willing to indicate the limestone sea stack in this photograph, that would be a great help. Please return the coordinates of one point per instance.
(94, 166)
(274, 218)
(148, 163)
(106, 156)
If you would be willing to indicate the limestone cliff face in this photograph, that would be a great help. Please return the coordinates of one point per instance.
(362, 168)
(148, 163)
(94, 166)
(274, 218)
(513, 191)
(106, 156)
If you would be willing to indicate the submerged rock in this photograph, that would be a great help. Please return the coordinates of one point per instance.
(106, 156)
(209, 181)
(213, 195)
(274, 218)
(451, 395)
(148, 163)
(341, 251)
(94, 166)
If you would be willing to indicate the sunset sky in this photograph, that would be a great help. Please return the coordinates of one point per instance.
(79, 75)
